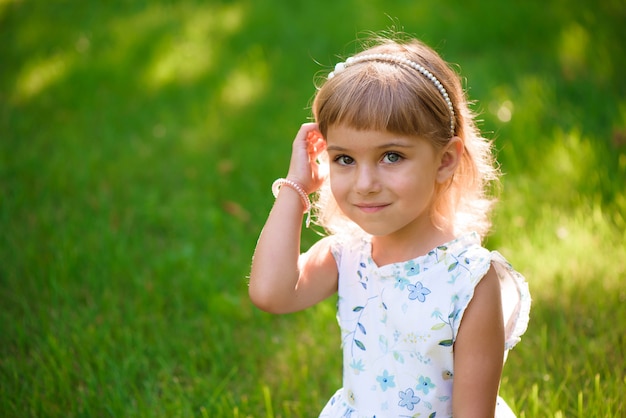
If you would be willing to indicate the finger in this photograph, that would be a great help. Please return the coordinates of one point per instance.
(305, 131)
(309, 126)
(313, 140)
(316, 142)
(318, 147)
(320, 143)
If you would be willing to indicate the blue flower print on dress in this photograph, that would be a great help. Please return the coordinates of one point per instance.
(408, 399)
(401, 282)
(418, 291)
(386, 381)
(425, 384)
(412, 268)
(357, 366)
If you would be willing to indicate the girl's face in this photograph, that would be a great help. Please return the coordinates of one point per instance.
(384, 182)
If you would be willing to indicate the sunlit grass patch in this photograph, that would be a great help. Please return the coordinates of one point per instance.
(40, 74)
(194, 50)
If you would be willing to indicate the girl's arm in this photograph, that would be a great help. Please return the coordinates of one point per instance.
(282, 280)
(479, 352)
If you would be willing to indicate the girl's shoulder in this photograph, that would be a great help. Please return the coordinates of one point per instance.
(346, 245)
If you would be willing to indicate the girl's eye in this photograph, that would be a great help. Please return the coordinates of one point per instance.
(392, 157)
(344, 160)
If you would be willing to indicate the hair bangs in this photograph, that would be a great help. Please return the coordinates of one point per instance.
(376, 99)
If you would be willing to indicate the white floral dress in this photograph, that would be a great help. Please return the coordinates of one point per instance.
(399, 323)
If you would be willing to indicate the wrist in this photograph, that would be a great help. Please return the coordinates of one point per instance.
(302, 181)
(299, 189)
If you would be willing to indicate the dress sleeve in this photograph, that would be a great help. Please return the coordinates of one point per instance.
(336, 249)
(477, 262)
(514, 292)
(515, 300)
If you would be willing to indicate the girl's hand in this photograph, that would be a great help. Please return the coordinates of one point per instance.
(304, 167)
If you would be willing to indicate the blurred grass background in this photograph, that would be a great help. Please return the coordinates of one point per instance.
(138, 141)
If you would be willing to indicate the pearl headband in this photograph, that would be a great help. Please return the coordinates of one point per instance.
(399, 60)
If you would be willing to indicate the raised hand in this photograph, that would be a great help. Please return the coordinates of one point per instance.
(304, 167)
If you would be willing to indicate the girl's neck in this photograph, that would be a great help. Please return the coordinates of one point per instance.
(393, 248)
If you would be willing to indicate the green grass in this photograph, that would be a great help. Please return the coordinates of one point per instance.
(138, 141)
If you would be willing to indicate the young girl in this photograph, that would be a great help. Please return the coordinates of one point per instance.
(427, 314)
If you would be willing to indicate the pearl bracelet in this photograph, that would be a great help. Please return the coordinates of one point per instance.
(301, 192)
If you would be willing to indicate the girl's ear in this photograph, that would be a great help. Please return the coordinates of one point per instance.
(450, 157)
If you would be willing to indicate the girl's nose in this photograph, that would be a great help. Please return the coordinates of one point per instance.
(366, 181)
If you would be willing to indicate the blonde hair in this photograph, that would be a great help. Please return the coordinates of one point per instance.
(391, 97)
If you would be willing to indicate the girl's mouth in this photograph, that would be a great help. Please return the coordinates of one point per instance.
(371, 208)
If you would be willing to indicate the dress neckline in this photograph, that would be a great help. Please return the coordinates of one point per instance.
(462, 241)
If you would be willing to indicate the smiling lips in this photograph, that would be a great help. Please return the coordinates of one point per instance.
(371, 208)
